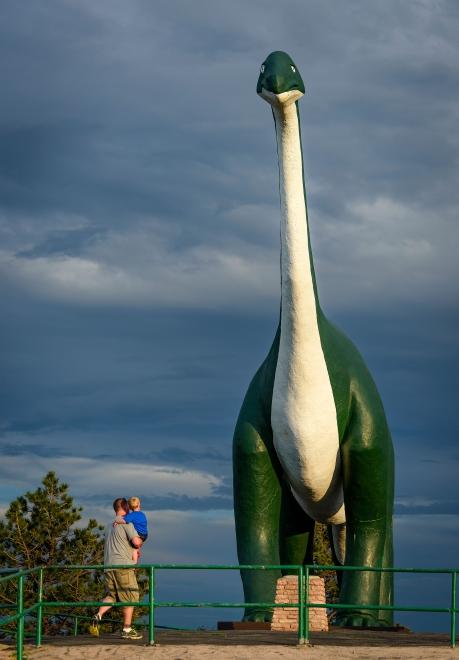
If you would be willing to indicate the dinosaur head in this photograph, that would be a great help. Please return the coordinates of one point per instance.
(280, 82)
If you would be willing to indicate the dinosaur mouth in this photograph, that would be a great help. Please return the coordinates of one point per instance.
(283, 99)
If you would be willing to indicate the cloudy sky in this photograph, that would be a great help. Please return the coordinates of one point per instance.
(139, 225)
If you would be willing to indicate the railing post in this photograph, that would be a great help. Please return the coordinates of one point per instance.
(453, 608)
(301, 605)
(306, 607)
(40, 608)
(75, 625)
(151, 606)
(20, 621)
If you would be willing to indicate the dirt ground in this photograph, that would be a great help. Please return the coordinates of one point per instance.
(244, 645)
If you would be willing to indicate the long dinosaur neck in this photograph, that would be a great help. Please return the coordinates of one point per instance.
(300, 304)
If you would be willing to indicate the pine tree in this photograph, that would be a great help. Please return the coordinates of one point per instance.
(39, 529)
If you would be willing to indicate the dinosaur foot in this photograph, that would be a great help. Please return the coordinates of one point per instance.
(360, 620)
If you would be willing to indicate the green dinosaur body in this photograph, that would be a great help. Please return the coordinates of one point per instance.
(276, 462)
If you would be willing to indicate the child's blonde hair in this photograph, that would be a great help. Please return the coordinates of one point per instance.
(134, 503)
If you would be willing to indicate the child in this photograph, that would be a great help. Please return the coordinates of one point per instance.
(138, 519)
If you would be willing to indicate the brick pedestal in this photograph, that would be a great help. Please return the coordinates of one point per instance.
(286, 618)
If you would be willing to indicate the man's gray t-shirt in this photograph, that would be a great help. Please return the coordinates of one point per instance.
(117, 549)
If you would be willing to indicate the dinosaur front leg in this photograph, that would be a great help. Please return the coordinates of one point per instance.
(257, 500)
(386, 591)
(367, 461)
(366, 544)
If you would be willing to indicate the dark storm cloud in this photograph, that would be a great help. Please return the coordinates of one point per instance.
(185, 503)
(447, 507)
(169, 456)
(34, 450)
(182, 456)
(171, 502)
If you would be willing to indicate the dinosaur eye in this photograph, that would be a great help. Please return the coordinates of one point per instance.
(262, 68)
(293, 68)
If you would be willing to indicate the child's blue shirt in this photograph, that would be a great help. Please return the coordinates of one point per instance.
(139, 520)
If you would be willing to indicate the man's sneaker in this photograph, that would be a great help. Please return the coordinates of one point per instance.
(94, 626)
(131, 634)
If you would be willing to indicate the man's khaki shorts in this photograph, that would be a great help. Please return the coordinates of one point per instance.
(121, 585)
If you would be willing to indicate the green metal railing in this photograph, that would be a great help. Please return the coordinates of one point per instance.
(302, 605)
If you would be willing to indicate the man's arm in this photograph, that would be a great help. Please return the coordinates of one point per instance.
(132, 535)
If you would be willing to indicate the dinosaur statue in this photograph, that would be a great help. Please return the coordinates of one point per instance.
(311, 442)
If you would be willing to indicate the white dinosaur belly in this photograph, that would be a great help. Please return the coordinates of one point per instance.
(305, 433)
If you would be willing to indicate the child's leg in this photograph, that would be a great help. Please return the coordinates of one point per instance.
(136, 554)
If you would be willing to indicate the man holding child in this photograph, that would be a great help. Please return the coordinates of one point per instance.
(123, 539)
